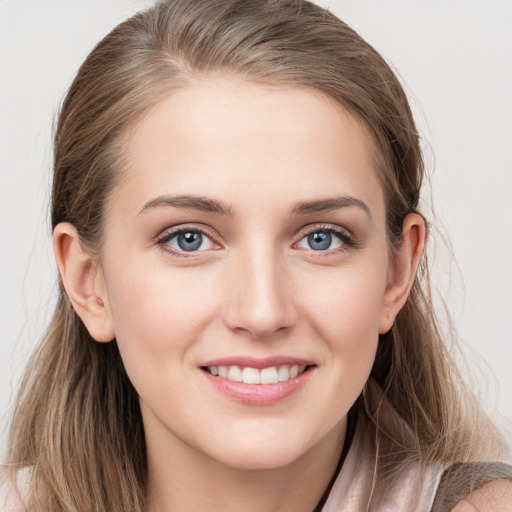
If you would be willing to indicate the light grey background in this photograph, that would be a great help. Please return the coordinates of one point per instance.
(455, 59)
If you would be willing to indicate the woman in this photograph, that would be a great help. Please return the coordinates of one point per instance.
(244, 319)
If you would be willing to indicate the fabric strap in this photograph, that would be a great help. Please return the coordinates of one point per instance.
(459, 480)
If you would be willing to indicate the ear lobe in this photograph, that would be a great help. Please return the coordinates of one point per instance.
(83, 281)
(402, 269)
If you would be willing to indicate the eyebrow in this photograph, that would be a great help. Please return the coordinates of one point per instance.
(329, 203)
(205, 204)
(189, 202)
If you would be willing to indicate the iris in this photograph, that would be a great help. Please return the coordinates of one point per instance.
(320, 240)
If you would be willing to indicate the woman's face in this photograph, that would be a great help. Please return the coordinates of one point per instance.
(247, 239)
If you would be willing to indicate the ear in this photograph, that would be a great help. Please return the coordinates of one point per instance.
(402, 269)
(83, 281)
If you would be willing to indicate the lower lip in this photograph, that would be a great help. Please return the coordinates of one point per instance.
(258, 394)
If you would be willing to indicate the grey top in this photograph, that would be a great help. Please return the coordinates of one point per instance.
(460, 480)
(356, 489)
(406, 485)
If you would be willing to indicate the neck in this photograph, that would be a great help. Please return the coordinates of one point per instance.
(189, 481)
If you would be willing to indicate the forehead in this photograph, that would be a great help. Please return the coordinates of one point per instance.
(241, 142)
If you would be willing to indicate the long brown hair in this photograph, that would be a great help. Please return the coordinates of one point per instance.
(77, 421)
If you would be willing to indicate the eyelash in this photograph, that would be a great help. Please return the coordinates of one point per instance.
(344, 236)
(164, 238)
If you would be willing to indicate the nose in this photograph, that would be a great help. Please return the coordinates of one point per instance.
(260, 298)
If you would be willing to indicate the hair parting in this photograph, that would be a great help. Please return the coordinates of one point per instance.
(77, 421)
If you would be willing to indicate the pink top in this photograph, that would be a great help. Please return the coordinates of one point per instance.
(10, 492)
(401, 484)
(410, 488)
(414, 489)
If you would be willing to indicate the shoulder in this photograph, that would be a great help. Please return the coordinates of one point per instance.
(475, 487)
(495, 496)
(13, 485)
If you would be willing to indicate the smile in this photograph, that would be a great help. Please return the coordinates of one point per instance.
(258, 381)
(250, 375)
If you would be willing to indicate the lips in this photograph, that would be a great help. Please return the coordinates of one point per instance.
(258, 381)
(251, 375)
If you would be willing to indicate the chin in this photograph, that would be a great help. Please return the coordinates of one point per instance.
(259, 453)
(260, 460)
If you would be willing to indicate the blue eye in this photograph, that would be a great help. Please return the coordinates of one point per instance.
(321, 240)
(188, 241)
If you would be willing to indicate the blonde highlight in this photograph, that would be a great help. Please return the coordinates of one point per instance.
(77, 421)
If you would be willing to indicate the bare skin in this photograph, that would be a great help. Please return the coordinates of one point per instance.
(495, 496)
(204, 485)
(279, 189)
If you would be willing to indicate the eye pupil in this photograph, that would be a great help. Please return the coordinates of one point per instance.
(190, 241)
(320, 240)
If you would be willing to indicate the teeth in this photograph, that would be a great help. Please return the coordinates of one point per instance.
(235, 374)
(249, 375)
(283, 374)
(269, 375)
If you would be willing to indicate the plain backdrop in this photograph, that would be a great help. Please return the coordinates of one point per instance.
(455, 60)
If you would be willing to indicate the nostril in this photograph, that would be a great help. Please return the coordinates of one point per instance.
(262, 332)
(260, 303)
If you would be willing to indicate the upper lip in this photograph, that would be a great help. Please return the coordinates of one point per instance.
(256, 362)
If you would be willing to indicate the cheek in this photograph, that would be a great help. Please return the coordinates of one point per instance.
(340, 309)
(158, 312)
(344, 308)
